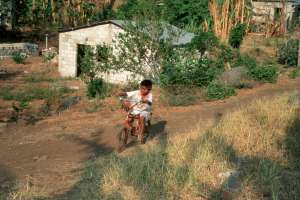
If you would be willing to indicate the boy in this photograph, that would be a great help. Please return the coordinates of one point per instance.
(142, 109)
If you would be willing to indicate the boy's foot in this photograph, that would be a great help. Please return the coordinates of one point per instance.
(142, 139)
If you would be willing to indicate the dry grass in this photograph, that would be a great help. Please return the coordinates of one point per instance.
(251, 140)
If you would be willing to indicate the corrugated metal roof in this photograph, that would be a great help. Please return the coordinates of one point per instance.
(177, 35)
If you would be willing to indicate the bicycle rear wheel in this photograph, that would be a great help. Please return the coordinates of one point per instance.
(122, 138)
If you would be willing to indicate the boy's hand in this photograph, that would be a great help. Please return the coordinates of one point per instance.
(146, 101)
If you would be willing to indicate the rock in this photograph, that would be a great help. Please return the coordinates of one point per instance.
(68, 102)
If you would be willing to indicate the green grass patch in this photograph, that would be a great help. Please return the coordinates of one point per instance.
(219, 91)
(35, 78)
(294, 73)
(30, 93)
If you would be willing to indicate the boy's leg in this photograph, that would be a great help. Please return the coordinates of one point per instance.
(142, 128)
(126, 128)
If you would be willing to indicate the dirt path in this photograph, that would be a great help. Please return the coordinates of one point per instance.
(51, 153)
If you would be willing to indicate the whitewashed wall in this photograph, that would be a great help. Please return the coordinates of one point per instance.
(68, 44)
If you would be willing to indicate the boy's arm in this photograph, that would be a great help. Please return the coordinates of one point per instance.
(122, 94)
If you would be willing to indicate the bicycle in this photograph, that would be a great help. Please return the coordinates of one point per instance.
(134, 126)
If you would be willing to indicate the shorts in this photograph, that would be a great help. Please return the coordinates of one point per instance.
(145, 114)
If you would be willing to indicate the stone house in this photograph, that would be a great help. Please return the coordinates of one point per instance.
(264, 10)
(100, 33)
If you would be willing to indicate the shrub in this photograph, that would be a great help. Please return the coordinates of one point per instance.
(19, 57)
(97, 88)
(287, 53)
(203, 41)
(197, 72)
(245, 61)
(264, 74)
(236, 35)
(218, 91)
(49, 55)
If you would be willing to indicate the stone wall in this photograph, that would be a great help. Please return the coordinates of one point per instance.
(7, 49)
(263, 9)
(68, 45)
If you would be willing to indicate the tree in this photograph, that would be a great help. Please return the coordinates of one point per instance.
(139, 49)
(227, 14)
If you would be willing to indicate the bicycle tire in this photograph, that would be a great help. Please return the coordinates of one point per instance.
(121, 140)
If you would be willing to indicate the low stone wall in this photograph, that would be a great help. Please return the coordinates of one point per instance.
(7, 49)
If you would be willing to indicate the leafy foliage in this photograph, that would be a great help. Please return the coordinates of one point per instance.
(97, 88)
(203, 41)
(19, 57)
(236, 35)
(218, 91)
(183, 12)
(287, 53)
(140, 50)
(93, 60)
(187, 71)
(263, 73)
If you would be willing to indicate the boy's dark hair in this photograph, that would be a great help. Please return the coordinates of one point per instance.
(146, 83)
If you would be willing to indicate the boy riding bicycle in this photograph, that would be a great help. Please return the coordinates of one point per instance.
(140, 101)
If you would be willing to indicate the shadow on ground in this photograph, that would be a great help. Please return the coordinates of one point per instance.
(7, 180)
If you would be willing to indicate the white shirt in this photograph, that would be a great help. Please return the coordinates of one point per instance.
(136, 96)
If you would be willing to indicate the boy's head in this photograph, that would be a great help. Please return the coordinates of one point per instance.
(145, 87)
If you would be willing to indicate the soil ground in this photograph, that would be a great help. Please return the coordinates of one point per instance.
(50, 154)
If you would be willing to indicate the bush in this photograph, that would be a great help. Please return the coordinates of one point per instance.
(236, 35)
(19, 57)
(49, 55)
(287, 54)
(196, 72)
(264, 74)
(245, 61)
(218, 91)
(203, 41)
(97, 88)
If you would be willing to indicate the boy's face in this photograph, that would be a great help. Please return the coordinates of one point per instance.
(145, 90)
